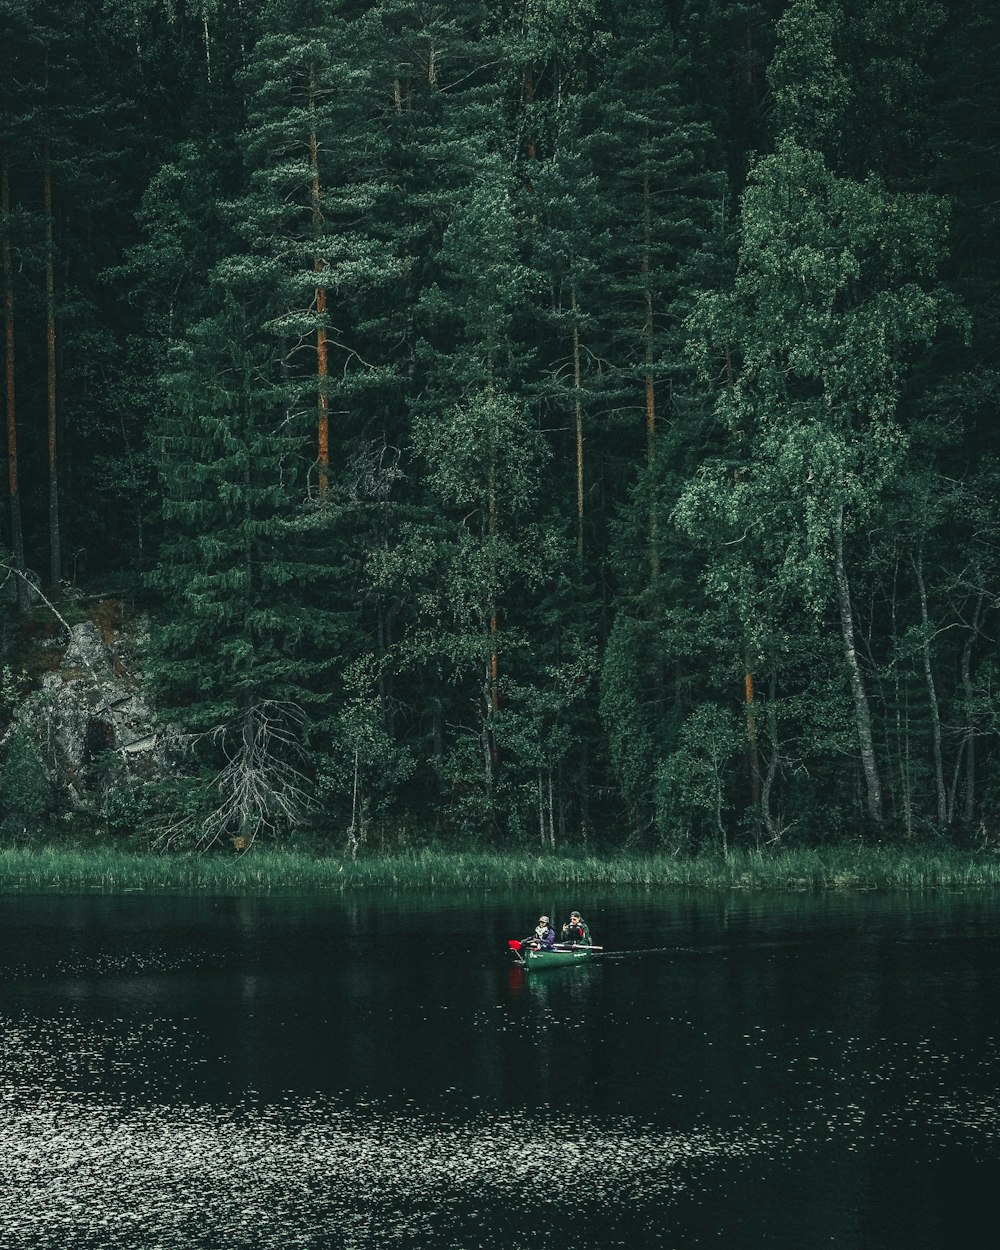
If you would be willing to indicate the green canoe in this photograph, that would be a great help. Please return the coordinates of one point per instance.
(557, 957)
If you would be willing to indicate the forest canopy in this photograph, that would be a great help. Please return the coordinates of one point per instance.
(543, 423)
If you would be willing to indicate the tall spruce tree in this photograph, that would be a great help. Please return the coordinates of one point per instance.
(244, 452)
(239, 655)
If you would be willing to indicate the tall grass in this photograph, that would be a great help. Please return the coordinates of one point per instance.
(275, 870)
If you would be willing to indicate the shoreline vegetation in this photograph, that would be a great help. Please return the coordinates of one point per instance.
(835, 868)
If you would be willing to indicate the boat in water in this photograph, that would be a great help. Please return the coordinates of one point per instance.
(559, 956)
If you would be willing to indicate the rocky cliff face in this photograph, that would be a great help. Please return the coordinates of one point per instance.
(89, 722)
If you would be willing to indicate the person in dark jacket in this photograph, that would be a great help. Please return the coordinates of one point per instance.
(576, 931)
(543, 937)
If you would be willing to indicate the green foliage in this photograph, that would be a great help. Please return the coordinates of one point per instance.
(692, 783)
(572, 416)
(636, 738)
(810, 83)
(10, 695)
(27, 797)
(825, 313)
(367, 768)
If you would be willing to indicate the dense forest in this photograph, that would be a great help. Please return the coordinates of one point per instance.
(551, 422)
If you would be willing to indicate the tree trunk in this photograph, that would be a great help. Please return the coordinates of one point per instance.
(437, 727)
(491, 528)
(322, 389)
(584, 792)
(723, 841)
(579, 433)
(754, 749)
(901, 751)
(527, 96)
(384, 683)
(207, 42)
(773, 761)
(552, 827)
(942, 806)
(55, 548)
(352, 830)
(862, 713)
(493, 700)
(13, 488)
(647, 338)
(970, 731)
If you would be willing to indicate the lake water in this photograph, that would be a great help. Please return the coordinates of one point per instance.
(749, 1071)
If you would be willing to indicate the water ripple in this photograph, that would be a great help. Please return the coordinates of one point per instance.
(312, 1172)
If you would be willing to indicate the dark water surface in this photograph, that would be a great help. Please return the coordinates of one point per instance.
(752, 1071)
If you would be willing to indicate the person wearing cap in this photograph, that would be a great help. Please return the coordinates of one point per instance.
(543, 937)
(576, 931)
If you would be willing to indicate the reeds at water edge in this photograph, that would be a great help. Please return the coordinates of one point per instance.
(269, 869)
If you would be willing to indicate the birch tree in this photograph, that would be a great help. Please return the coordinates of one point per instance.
(835, 290)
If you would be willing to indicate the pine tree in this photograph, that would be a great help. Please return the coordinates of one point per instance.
(12, 144)
(238, 653)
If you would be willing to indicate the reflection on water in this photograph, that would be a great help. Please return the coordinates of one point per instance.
(315, 1172)
(788, 1071)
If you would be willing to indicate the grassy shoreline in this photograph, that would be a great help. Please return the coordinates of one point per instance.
(842, 868)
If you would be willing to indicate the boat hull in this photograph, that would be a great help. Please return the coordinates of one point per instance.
(538, 961)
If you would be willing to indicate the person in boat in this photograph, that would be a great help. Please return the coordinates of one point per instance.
(543, 937)
(576, 931)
